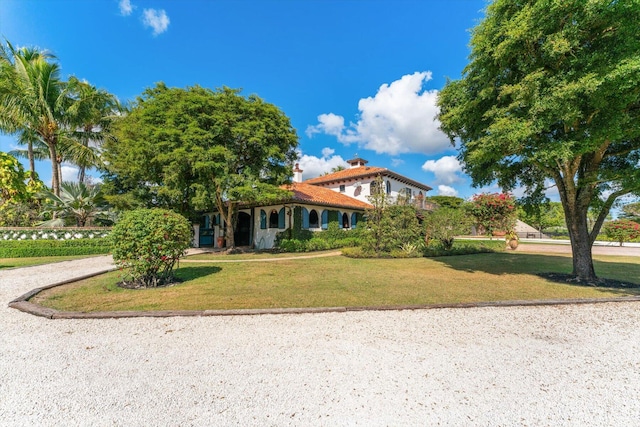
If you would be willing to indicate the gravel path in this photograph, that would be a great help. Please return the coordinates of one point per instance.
(564, 365)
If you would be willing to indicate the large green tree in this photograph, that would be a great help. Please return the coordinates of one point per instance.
(552, 92)
(196, 149)
(631, 211)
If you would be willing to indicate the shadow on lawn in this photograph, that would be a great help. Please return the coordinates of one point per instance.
(187, 272)
(623, 276)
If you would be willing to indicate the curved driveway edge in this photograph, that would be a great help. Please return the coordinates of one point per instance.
(22, 303)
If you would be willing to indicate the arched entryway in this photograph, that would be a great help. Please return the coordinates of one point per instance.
(242, 235)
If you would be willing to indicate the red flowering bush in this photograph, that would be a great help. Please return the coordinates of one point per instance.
(494, 211)
(621, 230)
(147, 243)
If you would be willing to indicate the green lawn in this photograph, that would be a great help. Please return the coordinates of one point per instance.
(340, 281)
(216, 256)
(25, 262)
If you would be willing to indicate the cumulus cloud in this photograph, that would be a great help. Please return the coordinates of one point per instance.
(69, 173)
(126, 8)
(327, 152)
(400, 118)
(396, 162)
(313, 166)
(331, 124)
(447, 169)
(445, 190)
(156, 19)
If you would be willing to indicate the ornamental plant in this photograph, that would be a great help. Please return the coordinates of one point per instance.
(147, 243)
(444, 224)
(622, 230)
(493, 211)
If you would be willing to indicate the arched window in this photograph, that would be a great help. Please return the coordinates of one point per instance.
(273, 219)
(263, 219)
(354, 220)
(305, 219)
(345, 220)
(388, 184)
(373, 188)
(313, 219)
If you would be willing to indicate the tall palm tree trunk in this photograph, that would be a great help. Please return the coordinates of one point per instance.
(32, 162)
(55, 169)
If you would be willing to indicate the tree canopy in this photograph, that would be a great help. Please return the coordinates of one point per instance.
(631, 211)
(552, 94)
(452, 202)
(196, 149)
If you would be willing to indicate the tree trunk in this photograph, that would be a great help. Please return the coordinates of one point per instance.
(581, 248)
(577, 224)
(32, 163)
(55, 169)
(229, 232)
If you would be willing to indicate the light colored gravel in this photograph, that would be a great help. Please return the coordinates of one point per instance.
(565, 365)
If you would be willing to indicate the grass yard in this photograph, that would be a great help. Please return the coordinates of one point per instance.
(221, 256)
(26, 262)
(340, 281)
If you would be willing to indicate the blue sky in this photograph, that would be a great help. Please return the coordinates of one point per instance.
(355, 76)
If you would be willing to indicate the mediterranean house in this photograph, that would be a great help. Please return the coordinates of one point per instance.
(341, 196)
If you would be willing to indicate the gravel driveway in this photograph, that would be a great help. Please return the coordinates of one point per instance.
(562, 365)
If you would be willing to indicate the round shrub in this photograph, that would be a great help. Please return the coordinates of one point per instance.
(622, 230)
(147, 243)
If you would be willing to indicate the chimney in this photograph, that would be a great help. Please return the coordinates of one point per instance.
(297, 173)
(357, 162)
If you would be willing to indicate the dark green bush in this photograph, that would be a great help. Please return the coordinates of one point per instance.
(44, 248)
(148, 243)
(464, 248)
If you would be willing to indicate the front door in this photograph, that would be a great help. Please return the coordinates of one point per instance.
(242, 235)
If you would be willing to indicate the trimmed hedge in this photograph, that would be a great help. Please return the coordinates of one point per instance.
(433, 250)
(45, 248)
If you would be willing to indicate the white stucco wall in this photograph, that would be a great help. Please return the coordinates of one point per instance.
(365, 189)
(265, 238)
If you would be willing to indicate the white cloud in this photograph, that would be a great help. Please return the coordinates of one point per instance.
(331, 124)
(445, 190)
(156, 19)
(313, 166)
(400, 118)
(69, 173)
(126, 8)
(396, 162)
(446, 169)
(327, 152)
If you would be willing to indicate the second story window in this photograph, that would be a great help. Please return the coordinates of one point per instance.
(342, 188)
(407, 193)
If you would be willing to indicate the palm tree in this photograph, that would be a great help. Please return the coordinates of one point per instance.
(90, 117)
(33, 100)
(36, 150)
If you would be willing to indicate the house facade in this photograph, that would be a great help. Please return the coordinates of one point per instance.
(341, 196)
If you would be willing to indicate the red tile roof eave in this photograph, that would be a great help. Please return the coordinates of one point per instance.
(293, 199)
(379, 171)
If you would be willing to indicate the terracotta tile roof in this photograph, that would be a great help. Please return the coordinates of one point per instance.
(363, 172)
(346, 174)
(313, 194)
